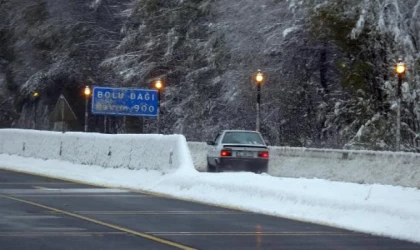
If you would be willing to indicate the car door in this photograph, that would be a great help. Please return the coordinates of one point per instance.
(213, 150)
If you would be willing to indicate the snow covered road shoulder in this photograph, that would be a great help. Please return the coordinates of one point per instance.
(377, 209)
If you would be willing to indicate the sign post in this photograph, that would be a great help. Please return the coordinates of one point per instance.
(109, 101)
(62, 113)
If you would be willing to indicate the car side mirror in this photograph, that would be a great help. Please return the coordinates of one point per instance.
(211, 143)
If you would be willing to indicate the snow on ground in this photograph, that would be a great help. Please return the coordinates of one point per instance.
(378, 209)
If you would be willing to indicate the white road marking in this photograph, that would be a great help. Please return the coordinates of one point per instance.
(34, 217)
(44, 188)
(63, 191)
(80, 195)
(56, 229)
(188, 212)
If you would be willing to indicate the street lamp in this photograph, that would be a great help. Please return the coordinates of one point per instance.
(259, 79)
(35, 96)
(158, 86)
(87, 93)
(400, 69)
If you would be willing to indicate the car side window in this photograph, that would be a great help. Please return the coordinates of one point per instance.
(217, 140)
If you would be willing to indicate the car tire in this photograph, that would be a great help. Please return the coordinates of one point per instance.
(261, 170)
(210, 168)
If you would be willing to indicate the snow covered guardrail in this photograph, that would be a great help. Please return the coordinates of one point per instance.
(168, 153)
(370, 167)
(164, 153)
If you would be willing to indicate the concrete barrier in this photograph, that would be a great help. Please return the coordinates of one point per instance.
(365, 167)
(164, 153)
(169, 153)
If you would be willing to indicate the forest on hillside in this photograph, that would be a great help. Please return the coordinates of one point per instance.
(329, 66)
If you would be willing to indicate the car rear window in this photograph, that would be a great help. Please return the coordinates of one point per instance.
(242, 138)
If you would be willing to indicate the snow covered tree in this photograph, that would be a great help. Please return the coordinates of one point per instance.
(328, 65)
(54, 47)
(173, 40)
(370, 36)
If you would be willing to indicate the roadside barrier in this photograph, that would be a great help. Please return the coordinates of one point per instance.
(169, 153)
(164, 153)
(364, 167)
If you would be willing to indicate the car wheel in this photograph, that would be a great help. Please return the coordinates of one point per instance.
(210, 168)
(261, 170)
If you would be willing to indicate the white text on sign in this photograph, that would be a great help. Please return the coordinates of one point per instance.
(121, 95)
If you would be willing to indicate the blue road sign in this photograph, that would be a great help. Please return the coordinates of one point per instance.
(124, 101)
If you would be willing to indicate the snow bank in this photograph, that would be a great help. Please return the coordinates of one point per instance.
(164, 153)
(376, 209)
(370, 167)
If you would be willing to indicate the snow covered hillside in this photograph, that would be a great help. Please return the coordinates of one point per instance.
(328, 66)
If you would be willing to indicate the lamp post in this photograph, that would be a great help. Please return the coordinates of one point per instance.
(87, 93)
(158, 86)
(400, 69)
(35, 96)
(259, 79)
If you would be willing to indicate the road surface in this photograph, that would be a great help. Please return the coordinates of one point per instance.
(39, 213)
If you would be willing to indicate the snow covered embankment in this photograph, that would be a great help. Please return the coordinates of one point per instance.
(364, 167)
(163, 153)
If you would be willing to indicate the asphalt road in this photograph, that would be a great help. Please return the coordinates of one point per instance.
(38, 213)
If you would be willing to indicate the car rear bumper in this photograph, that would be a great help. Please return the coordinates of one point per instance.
(242, 164)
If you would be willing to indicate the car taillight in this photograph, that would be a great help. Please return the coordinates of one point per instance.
(225, 152)
(263, 154)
